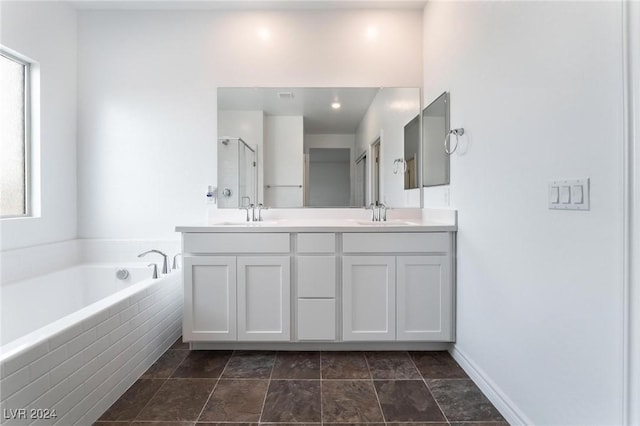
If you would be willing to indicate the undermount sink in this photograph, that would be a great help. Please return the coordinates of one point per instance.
(387, 223)
(245, 223)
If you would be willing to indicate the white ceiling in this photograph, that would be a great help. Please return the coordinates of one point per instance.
(246, 4)
(314, 104)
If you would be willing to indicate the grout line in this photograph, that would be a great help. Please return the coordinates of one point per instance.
(424, 380)
(384, 418)
(321, 405)
(214, 387)
(264, 401)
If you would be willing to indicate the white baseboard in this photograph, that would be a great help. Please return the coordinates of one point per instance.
(500, 400)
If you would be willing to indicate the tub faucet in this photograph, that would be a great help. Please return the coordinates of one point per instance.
(155, 270)
(165, 262)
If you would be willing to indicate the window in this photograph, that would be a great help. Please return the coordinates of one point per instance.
(14, 136)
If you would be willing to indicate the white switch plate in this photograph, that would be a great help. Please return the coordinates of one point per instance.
(574, 187)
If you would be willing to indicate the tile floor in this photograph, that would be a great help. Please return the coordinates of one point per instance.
(249, 387)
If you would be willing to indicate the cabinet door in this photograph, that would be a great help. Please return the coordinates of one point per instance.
(264, 298)
(425, 298)
(369, 304)
(209, 298)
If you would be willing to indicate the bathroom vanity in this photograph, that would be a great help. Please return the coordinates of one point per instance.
(322, 282)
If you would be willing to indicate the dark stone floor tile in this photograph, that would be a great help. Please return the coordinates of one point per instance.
(391, 365)
(344, 365)
(297, 365)
(178, 400)
(228, 424)
(162, 424)
(202, 364)
(166, 364)
(462, 401)
(350, 401)
(99, 423)
(178, 344)
(129, 405)
(359, 424)
(250, 365)
(292, 401)
(437, 365)
(418, 424)
(478, 424)
(235, 401)
(407, 401)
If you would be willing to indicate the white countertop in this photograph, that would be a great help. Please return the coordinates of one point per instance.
(321, 225)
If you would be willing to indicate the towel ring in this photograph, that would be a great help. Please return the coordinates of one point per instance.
(447, 140)
(396, 162)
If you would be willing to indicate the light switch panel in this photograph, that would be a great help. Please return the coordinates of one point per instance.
(569, 194)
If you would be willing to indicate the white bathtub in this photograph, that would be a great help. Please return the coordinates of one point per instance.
(74, 340)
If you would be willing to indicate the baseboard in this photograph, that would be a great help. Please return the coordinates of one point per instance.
(500, 400)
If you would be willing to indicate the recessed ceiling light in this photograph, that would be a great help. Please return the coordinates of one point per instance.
(335, 105)
(372, 33)
(264, 34)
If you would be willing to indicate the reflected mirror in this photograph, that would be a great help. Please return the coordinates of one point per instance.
(411, 152)
(435, 127)
(313, 147)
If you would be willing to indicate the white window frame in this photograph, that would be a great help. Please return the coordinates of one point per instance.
(28, 211)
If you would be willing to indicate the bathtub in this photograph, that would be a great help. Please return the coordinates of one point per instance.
(72, 341)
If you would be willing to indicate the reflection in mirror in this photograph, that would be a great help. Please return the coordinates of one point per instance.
(236, 172)
(316, 147)
(435, 126)
(411, 152)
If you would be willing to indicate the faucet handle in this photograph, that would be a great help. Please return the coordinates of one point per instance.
(155, 270)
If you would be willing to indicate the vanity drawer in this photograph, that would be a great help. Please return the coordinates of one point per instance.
(209, 242)
(396, 242)
(316, 243)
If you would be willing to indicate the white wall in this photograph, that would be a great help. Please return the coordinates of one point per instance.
(336, 141)
(390, 110)
(147, 89)
(46, 32)
(537, 87)
(283, 161)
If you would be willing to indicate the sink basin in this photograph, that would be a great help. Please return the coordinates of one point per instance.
(244, 223)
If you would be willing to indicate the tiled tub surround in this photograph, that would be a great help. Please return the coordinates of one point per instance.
(79, 364)
(210, 387)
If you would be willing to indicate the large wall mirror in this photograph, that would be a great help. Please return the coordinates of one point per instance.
(435, 127)
(314, 147)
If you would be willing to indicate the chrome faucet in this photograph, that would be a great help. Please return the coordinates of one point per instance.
(261, 207)
(165, 262)
(378, 212)
(247, 208)
(382, 213)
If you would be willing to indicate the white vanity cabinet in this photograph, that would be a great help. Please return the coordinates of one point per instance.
(398, 287)
(244, 297)
(318, 288)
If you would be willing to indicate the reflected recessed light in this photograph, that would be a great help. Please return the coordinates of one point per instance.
(335, 105)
